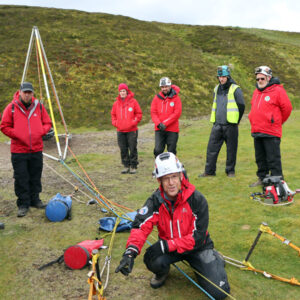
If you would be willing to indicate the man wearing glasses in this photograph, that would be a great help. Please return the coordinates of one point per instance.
(270, 108)
(227, 111)
(180, 214)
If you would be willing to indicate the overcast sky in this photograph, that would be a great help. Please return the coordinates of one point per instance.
(281, 15)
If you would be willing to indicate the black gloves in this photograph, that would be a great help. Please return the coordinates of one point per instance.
(126, 263)
(156, 250)
(161, 126)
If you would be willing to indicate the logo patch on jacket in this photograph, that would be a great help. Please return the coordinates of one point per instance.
(172, 104)
(184, 210)
(130, 109)
(267, 98)
(35, 115)
(143, 210)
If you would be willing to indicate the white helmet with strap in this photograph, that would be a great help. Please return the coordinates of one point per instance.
(265, 70)
(165, 81)
(167, 163)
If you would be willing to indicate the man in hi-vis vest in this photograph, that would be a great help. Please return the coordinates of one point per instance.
(227, 111)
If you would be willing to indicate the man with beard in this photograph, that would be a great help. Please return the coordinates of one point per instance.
(25, 120)
(270, 108)
(165, 113)
(227, 111)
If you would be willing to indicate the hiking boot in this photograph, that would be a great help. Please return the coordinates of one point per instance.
(39, 205)
(158, 281)
(257, 183)
(206, 175)
(231, 174)
(125, 170)
(132, 170)
(22, 211)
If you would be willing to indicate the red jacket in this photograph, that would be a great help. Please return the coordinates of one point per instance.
(25, 127)
(126, 114)
(183, 226)
(270, 108)
(167, 110)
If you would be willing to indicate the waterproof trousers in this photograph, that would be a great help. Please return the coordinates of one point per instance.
(267, 156)
(28, 169)
(127, 142)
(207, 262)
(220, 134)
(163, 138)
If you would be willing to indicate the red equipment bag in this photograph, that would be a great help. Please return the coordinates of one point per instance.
(78, 256)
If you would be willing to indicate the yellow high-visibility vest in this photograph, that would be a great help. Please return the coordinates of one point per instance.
(232, 108)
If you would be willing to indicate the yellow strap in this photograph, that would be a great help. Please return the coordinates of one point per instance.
(268, 230)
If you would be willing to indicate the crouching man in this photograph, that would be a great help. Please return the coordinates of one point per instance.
(181, 216)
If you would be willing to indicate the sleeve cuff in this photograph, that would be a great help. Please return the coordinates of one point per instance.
(171, 245)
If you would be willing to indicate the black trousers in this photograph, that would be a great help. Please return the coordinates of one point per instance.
(163, 138)
(28, 169)
(207, 262)
(220, 134)
(127, 142)
(267, 156)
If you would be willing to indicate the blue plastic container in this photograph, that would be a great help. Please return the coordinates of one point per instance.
(58, 208)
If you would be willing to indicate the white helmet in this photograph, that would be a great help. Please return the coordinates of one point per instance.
(263, 70)
(165, 81)
(167, 163)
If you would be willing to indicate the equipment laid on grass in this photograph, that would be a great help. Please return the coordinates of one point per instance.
(59, 208)
(246, 265)
(78, 256)
(108, 223)
(275, 192)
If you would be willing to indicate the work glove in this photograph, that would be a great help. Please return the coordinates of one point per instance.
(158, 249)
(161, 126)
(126, 263)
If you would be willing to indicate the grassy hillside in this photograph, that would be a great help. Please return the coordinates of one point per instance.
(91, 53)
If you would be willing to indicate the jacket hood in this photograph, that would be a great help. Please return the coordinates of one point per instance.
(130, 95)
(17, 98)
(273, 80)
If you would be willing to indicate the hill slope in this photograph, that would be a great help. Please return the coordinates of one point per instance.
(91, 53)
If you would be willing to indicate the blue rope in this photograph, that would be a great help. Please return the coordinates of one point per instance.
(91, 190)
(194, 282)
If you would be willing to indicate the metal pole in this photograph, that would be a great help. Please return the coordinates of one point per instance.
(47, 91)
(255, 242)
(28, 56)
(52, 81)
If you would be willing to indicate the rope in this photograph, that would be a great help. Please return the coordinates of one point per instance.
(212, 283)
(65, 179)
(94, 186)
(256, 198)
(108, 256)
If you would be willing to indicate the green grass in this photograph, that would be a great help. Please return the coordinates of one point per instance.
(27, 243)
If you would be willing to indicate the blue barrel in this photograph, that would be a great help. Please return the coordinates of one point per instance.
(58, 208)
